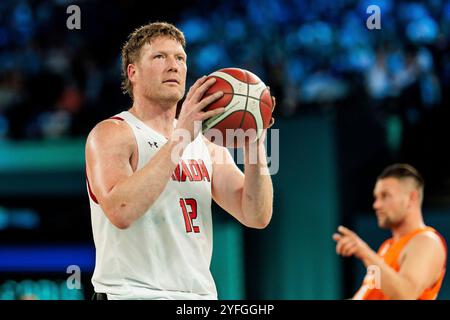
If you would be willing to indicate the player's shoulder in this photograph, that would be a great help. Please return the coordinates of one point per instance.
(427, 239)
(111, 130)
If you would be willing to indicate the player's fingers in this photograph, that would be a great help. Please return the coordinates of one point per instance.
(345, 231)
(339, 245)
(349, 249)
(198, 93)
(194, 87)
(274, 102)
(352, 250)
(342, 244)
(348, 246)
(208, 100)
(212, 113)
(343, 249)
(337, 237)
(263, 135)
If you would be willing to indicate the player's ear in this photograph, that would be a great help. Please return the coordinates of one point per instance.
(131, 72)
(414, 196)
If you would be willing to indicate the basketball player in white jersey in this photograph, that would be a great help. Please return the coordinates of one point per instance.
(150, 198)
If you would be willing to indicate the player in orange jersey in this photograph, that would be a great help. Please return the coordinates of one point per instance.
(411, 264)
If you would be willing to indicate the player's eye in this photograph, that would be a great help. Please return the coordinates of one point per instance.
(158, 56)
(180, 58)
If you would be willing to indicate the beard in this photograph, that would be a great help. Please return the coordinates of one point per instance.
(387, 223)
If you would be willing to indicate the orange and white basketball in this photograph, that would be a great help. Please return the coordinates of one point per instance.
(248, 107)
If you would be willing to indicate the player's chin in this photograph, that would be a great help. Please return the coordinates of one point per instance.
(173, 97)
(178, 93)
(383, 223)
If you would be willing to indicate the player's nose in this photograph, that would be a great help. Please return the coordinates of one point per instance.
(172, 64)
(376, 204)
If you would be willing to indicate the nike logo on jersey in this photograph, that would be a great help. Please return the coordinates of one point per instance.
(192, 170)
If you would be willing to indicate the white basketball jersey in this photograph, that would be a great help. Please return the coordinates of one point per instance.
(165, 254)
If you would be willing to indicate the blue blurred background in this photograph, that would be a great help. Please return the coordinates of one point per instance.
(350, 101)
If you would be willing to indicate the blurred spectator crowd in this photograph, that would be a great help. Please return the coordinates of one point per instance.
(56, 82)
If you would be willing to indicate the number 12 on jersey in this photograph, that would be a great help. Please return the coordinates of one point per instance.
(189, 214)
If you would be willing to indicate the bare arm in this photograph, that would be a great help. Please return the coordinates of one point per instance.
(125, 195)
(247, 197)
(419, 269)
(420, 266)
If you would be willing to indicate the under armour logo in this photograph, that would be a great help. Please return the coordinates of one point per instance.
(153, 144)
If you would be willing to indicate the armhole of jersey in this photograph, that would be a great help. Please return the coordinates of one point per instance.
(384, 247)
(444, 244)
(433, 231)
(123, 117)
(138, 147)
(90, 192)
(88, 185)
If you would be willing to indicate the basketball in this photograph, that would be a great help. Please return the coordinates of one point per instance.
(248, 108)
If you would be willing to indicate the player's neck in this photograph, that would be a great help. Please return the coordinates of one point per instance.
(157, 116)
(413, 222)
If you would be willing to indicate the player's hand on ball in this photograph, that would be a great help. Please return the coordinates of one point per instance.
(272, 121)
(274, 102)
(248, 106)
(192, 114)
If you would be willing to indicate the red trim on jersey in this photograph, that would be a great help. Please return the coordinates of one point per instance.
(91, 194)
(445, 247)
(116, 118)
